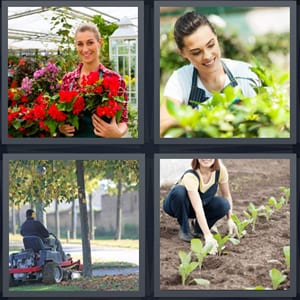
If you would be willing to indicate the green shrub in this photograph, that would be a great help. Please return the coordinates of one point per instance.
(266, 115)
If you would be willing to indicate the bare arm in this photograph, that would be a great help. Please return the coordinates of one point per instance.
(166, 121)
(199, 211)
(225, 191)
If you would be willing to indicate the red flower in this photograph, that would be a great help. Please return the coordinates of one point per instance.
(67, 96)
(11, 95)
(78, 105)
(12, 116)
(112, 85)
(56, 114)
(24, 99)
(39, 111)
(43, 126)
(109, 110)
(40, 99)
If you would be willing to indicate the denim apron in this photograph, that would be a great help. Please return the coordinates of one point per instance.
(197, 95)
(86, 128)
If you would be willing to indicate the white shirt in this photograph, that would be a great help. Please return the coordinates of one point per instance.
(179, 84)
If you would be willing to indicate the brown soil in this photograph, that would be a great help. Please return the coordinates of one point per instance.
(247, 264)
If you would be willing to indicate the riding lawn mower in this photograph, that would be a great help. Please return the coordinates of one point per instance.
(41, 262)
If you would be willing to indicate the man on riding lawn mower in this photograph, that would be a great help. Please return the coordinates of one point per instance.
(36, 228)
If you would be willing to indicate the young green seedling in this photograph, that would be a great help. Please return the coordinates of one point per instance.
(223, 240)
(277, 278)
(286, 192)
(241, 225)
(186, 267)
(199, 250)
(276, 204)
(286, 252)
(268, 212)
(253, 214)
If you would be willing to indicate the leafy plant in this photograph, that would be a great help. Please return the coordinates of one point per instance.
(286, 252)
(186, 266)
(199, 250)
(286, 192)
(276, 204)
(254, 213)
(132, 120)
(266, 115)
(267, 212)
(241, 225)
(223, 240)
(277, 278)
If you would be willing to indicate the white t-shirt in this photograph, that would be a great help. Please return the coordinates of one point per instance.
(179, 84)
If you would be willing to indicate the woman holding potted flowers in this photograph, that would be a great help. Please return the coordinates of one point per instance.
(104, 91)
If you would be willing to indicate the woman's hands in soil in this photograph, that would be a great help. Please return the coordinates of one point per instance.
(209, 239)
(232, 228)
(67, 129)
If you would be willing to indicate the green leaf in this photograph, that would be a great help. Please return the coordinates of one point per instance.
(196, 245)
(277, 278)
(52, 124)
(201, 281)
(286, 252)
(174, 133)
(257, 288)
(234, 241)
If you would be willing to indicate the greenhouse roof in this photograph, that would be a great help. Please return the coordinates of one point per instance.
(30, 27)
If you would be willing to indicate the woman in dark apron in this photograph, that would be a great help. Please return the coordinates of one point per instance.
(194, 197)
(88, 44)
(194, 84)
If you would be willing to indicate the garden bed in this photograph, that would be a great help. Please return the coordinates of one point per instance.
(247, 264)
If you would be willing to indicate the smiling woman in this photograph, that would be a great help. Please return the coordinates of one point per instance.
(90, 73)
(207, 72)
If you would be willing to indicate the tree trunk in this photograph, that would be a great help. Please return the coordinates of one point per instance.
(13, 213)
(40, 212)
(118, 234)
(19, 218)
(74, 220)
(92, 219)
(86, 246)
(57, 220)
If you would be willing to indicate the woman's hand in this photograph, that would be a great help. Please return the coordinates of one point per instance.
(232, 228)
(108, 130)
(209, 240)
(67, 129)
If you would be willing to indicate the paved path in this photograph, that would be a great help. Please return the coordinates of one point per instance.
(107, 253)
(115, 271)
(104, 253)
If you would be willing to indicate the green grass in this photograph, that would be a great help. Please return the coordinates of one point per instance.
(39, 287)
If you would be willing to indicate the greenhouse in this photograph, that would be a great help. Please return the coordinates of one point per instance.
(38, 36)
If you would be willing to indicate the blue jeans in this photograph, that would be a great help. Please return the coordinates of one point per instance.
(178, 205)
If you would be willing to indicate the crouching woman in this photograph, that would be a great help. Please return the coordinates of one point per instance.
(194, 197)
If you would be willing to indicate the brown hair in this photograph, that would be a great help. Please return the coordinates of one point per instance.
(89, 27)
(196, 165)
(188, 24)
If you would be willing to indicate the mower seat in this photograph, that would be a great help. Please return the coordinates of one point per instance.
(35, 243)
